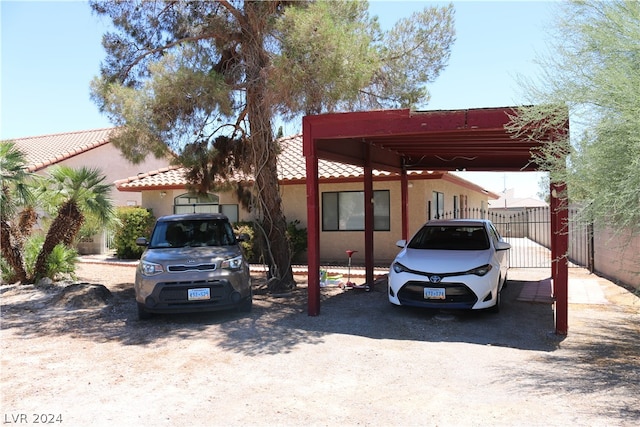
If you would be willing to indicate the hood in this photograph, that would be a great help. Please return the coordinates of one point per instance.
(191, 255)
(441, 261)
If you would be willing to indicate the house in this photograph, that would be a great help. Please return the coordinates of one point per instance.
(153, 184)
(90, 148)
(508, 202)
(431, 194)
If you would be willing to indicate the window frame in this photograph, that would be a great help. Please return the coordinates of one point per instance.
(199, 203)
(333, 220)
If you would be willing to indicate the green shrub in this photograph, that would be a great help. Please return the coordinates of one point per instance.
(6, 272)
(297, 239)
(134, 222)
(60, 263)
(247, 228)
(255, 247)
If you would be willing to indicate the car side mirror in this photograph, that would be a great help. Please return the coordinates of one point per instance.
(243, 237)
(142, 241)
(401, 243)
(502, 246)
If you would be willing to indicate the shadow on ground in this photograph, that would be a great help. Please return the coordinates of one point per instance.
(600, 359)
(278, 325)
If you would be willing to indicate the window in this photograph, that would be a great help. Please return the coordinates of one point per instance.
(456, 208)
(438, 204)
(494, 234)
(450, 237)
(230, 211)
(344, 211)
(204, 203)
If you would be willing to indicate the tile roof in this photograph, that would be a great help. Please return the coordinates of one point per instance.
(508, 200)
(171, 176)
(291, 168)
(292, 165)
(46, 150)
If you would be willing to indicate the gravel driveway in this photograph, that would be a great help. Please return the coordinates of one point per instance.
(361, 362)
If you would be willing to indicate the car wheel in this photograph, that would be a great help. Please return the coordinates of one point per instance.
(143, 314)
(246, 305)
(496, 307)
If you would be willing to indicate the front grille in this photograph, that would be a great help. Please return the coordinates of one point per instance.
(454, 293)
(199, 267)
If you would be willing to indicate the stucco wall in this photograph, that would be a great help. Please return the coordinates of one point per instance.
(163, 205)
(110, 161)
(333, 244)
(617, 255)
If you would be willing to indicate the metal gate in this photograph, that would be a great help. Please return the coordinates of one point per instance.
(529, 233)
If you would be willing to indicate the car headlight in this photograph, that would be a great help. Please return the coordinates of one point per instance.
(232, 263)
(150, 268)
(480, 271)
(399, 268)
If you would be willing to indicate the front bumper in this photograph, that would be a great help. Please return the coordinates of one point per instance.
(170, 293)
(461, 292)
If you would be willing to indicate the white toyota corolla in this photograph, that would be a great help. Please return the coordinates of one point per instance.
(457, 264)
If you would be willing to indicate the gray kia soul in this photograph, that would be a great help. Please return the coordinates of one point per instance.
(193, 262)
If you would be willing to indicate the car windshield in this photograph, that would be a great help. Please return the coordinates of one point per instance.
(177, 234)
(450, 237)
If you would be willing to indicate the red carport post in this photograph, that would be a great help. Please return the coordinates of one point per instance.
(368, 218)
(313, 222)
(404, 194)
(560, 249)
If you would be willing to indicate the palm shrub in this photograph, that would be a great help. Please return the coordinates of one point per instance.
(77, 193)
(69, 195)
(17, 214)
(60, 263)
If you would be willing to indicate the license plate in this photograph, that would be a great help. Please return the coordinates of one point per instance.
(434, 293)
(198, 294)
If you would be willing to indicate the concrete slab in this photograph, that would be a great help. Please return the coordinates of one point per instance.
(586, 291)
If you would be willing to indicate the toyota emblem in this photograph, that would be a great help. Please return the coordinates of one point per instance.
(435, 279)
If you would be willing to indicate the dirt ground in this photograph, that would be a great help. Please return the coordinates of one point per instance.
(82, 358)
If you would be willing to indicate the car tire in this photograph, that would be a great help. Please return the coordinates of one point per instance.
(143, 314)
(246, 305)
(496, 307)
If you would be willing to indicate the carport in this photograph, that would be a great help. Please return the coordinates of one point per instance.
(403, 140)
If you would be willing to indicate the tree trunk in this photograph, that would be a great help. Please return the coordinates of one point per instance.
(11, 253)
(64, 229)
(263, 150)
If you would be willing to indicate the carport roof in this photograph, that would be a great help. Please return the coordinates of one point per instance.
(470, 139)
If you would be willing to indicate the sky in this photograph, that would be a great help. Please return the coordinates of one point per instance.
(51, 50)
